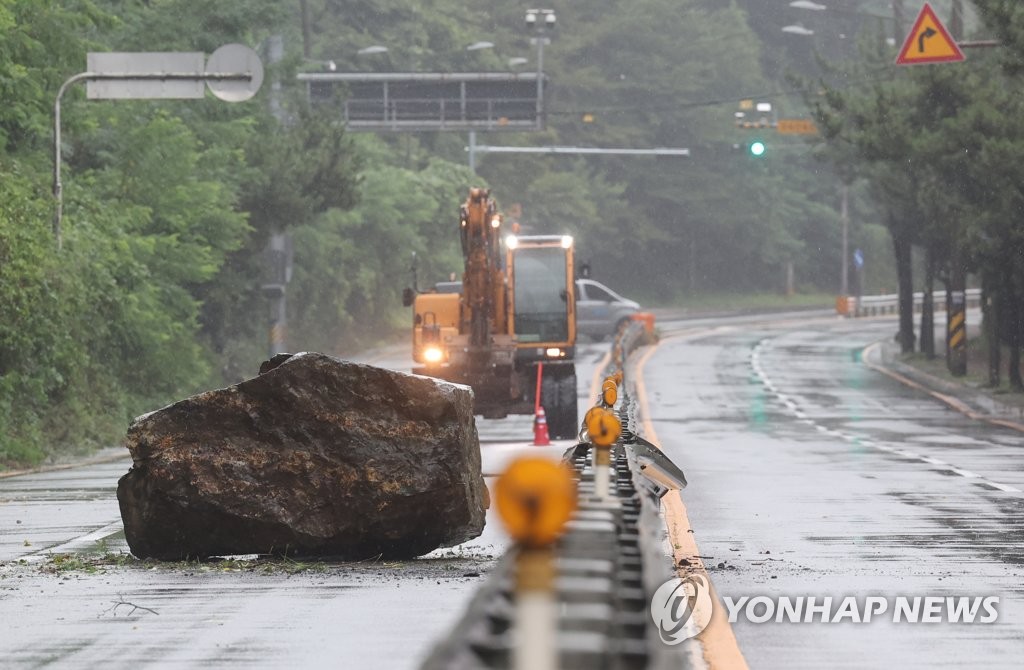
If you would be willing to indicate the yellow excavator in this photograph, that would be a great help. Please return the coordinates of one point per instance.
(513, 313)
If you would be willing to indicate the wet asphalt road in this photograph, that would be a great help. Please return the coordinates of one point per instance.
(811, 475)
(853, 483)
(127, 614)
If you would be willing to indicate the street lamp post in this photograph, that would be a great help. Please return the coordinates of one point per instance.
(540, 20)
(844, 215)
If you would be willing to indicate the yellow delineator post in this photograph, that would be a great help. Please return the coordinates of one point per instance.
(956, 339)
(609, 392)
(535, 497)
(604, 428)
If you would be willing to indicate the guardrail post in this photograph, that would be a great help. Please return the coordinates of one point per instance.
(535, 497)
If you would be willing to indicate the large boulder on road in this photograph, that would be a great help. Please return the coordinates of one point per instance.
(316, 457)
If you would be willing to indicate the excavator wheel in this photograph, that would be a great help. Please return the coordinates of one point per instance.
(558, 395)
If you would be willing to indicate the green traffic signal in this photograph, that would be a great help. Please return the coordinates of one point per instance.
(757, 148)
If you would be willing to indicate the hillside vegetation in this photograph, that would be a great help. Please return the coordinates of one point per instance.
(169, 204)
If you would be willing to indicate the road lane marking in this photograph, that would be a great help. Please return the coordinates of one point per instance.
(758, 368)
(81, 542)
(721, 650)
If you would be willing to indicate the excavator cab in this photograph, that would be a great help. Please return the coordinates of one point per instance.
(541, 279)
(543, 321)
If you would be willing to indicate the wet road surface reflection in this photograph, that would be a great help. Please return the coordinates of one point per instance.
(811, 475)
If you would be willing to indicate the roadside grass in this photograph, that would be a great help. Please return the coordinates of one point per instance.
(64, 563)
(89, 563)
(977, 369)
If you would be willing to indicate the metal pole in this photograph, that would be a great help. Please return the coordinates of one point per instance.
(581, 151)
(280, 242)
(472, 151)
(602, 472)
(897, 20)
(956, 22)
(278, 323)
(307, 32)
(58, 188)
(540, 79)
(844, 215)
(535, 633)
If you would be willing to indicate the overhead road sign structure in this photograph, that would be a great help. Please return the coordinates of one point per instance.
(414, 101)
(234, 73)
(579, 150)
(145, 63)
(929, 42)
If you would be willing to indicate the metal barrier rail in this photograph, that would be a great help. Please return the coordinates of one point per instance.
(609, 562)
(874, 305)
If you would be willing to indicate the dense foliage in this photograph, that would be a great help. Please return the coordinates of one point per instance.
(168, 208)
(169, 205)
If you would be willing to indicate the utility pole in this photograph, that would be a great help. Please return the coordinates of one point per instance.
(844, 217)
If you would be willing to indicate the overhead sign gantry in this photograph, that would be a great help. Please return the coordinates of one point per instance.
(420, 101)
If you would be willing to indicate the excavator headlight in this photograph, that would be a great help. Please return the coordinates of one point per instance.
(433, 354)
(555, 352)
(496, 222)
(511, 242)
(566, 241)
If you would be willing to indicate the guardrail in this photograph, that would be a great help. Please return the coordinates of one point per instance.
(874, 305)
(607, 565)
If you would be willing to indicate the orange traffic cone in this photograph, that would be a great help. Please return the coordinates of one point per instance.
(540, 429)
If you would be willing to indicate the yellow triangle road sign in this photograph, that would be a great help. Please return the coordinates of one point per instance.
(929, 42)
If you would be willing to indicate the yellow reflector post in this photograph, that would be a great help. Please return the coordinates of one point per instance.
(603, 426)
(535, 497)
(609, 392)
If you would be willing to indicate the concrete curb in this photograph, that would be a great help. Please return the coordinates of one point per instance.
(971, 402)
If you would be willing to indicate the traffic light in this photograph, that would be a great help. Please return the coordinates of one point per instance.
(757, 148)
